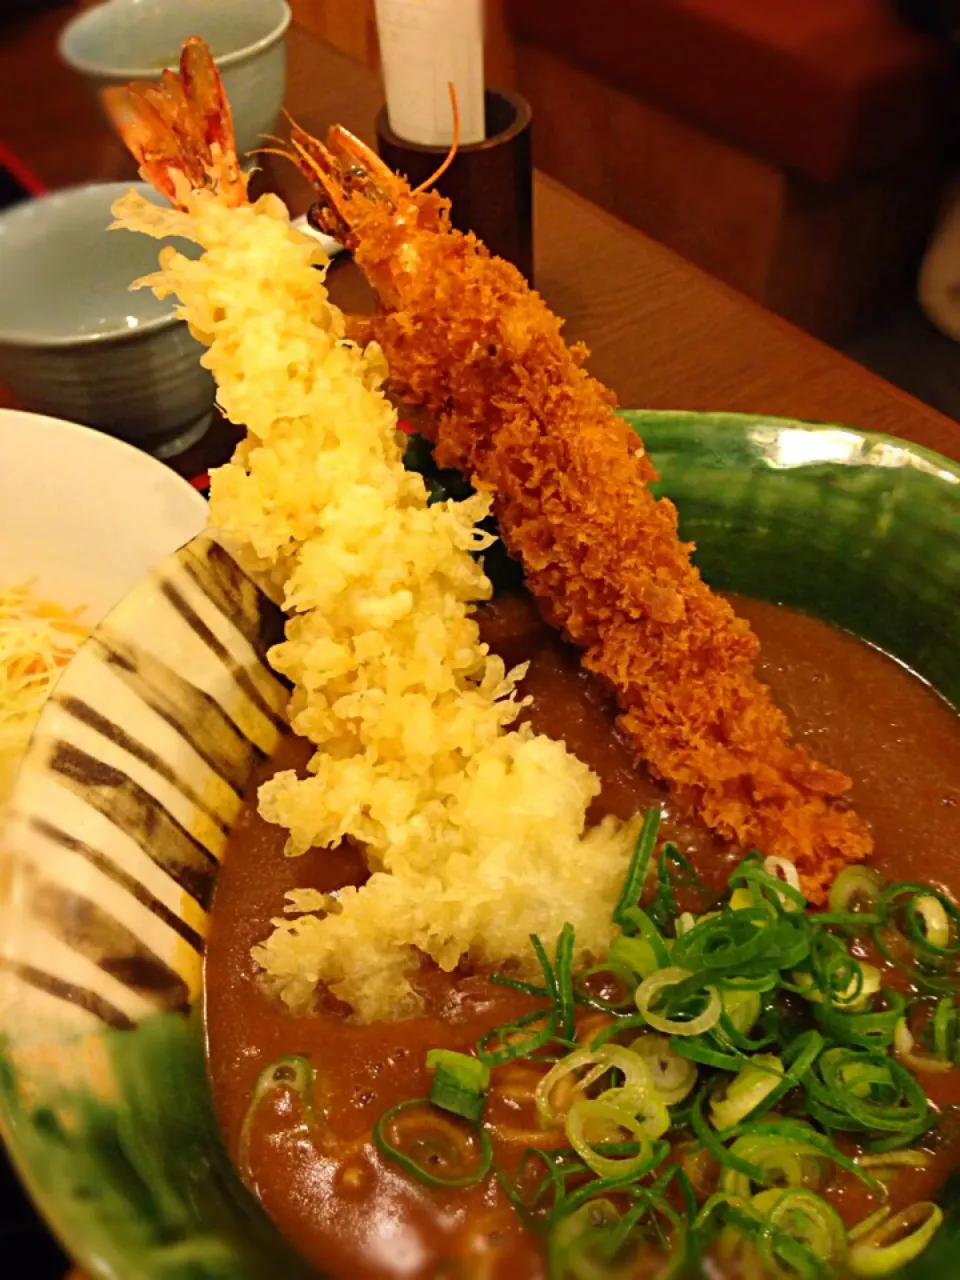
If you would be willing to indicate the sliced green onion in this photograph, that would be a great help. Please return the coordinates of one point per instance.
(458, 1084)
(594, 1064)
(642, 925)
(638, 1112)
(536, 1205)
(652, 988)
(798, 1058)
(932, 920)
(576, 1247)
(648, 1204)
(564, 982)
(759, 982)
(544, 961)
(855, 995)
(685, 923)
(860, 1090)
(736, 944)
(855, 888)
(741, 1013)
(519, 1039)
(588, 1241)
(904, 1045)
(673, 1076)
(637, 955)
(803, 1216)
(786, 1161)
(915, 905)
(743, 899)
(802, 1134)
(888, 1159)
(769, 890)
(710, 1140)
(742, 1008)
(293, 1074)
(623, 976)
(865, 1226)
(744, 1094)
(702, 1049)
(936, 922)
(784, 869)
(945, 1027)
(636, 877)
(897, 1241)
(438, 1149)
(617, 1028)
(663, 908)
(873, 1028)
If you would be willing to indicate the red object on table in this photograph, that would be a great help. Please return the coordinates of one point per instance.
(20, 171)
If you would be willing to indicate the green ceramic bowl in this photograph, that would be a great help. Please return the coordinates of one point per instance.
(133, 779)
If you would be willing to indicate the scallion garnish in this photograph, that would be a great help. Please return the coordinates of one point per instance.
(439, 1149)
(564, 982)
(459, 1083)
(722, 1046)
(519, 1039)
(292, 1075)
(632, 889)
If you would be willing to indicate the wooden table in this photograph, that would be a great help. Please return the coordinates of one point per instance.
(663, 334)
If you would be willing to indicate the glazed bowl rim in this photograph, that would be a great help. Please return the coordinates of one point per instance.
(106, 70)
(110, 336)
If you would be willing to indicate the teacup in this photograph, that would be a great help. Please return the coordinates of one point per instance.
(76, 343)
(125, 40)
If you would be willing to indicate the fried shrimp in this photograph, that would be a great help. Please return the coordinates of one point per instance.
(515, 411)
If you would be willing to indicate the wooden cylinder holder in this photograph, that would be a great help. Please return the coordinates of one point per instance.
(489, 183)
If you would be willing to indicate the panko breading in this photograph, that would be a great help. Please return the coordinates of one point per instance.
(514, 411)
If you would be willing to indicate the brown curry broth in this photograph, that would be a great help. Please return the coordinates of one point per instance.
(342, 1205)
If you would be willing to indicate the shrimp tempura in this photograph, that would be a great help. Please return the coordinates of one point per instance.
(475, 833)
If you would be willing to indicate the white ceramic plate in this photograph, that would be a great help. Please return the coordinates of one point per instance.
(86, 515)
(333, 247)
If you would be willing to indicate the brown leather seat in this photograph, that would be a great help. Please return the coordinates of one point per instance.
(829, 88)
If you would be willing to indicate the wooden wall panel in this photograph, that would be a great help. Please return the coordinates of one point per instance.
(716, 205)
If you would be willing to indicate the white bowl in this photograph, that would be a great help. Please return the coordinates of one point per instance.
(86, 515)
(125, 40)
(75, 342)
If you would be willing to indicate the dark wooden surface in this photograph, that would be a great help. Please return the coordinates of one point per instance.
(663, 334)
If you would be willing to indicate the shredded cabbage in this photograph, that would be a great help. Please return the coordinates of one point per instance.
(37, 639)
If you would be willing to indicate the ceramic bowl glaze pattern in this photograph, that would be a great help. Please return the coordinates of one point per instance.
(136, 772)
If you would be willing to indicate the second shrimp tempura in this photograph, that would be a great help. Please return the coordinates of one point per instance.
(515, 411)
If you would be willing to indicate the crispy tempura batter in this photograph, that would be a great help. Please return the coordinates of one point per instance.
(514, 410)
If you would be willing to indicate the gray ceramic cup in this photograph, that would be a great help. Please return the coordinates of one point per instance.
(75, 343)
(125, 40)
